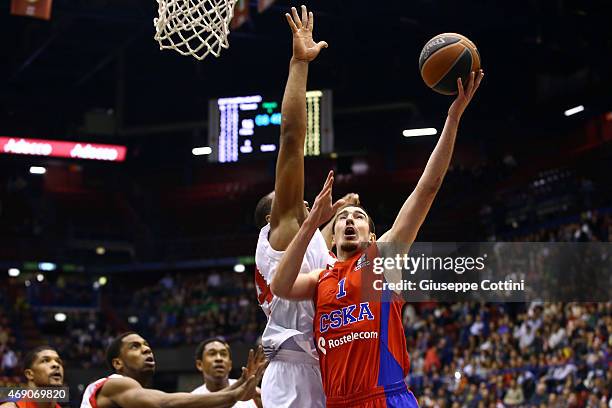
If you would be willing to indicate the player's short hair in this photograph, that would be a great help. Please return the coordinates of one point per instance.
(30, 357)
(370, 220)
(263, 209)
(202, 345)
(114, 348)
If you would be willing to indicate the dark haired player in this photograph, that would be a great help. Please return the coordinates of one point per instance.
(358, 331)
(213, 359)
(133, 365)
(43, 367)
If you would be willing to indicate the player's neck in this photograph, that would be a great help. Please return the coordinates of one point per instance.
(214, 384)
(344, 254)
(145, 380)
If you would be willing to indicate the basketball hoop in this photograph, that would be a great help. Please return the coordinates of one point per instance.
(194, 27)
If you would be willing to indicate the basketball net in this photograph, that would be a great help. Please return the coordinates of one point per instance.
(194, 27)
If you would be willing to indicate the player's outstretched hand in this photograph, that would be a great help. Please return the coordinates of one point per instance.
(323, 209)
(256, 359)
(304, 47)
(464, 96)
(247, 389)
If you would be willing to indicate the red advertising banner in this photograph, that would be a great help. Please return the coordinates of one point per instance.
(32, 8)
(56, 148)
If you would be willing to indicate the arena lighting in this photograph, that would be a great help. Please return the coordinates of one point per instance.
(46, 266)
(201, 151)
(96, 285)
(419, 132)
(133, 319)
(37, 170)
(102, 280)
(574, 111)
(27, 283)
(239, 268)
(60, 317)
(56, 148)
(40, 277)
(100, 250)
(14, 272)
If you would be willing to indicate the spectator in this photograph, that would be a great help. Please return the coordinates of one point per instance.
(514, 396)
(540, 395)
(9, 362)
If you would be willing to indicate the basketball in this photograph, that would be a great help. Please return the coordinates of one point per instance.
(445, 58)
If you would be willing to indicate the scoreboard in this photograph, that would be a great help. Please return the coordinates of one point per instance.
(244, 127)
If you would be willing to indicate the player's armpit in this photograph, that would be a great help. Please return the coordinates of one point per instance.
(390, 250)
(280, 236)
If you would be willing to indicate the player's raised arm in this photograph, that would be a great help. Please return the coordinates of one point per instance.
(128, 393)
(288, 283)
(416, 207)
(288, 205)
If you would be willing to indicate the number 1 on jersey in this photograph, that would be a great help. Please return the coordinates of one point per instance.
(341, 292)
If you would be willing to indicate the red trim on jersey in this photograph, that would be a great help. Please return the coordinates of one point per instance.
(265, 294)
(330, 266)
(94, 394)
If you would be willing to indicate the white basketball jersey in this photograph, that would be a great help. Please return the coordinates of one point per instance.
(240, 404)
(287, 319)
(89, 396)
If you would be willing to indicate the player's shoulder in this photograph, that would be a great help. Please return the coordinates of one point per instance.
(262, 238)
(116, 385)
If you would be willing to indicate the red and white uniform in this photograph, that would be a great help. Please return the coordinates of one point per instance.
(92, 390)
(240, 404)
(293, 378)
(360, 337)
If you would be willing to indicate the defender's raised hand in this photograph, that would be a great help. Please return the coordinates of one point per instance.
(304, 47)
(464, 96)
(323, 208)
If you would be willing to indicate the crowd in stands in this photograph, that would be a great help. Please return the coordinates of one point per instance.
(179, 309)
(186, 308)
(511, 354)
(463, 354)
